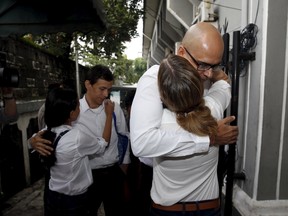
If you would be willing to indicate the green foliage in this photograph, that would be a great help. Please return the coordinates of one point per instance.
(121, 20)
(122, 17)
(139, 67)
(125, 70)
(57, 44)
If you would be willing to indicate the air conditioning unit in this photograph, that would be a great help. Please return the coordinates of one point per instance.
(205, 12)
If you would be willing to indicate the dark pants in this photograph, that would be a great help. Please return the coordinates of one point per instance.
(139, 179)
(46, 186)
(57, 204)
(208, 212)
(107, 187)
(141, 202)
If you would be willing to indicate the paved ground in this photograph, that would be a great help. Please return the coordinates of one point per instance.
(29, 202)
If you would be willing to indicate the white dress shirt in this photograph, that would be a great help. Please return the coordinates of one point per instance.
(147, 138)
(192, 177)
(92, 121)
(71, 174)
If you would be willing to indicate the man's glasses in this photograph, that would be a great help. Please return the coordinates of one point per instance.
(201, 66)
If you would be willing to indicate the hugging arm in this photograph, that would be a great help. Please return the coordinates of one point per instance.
(42, 146)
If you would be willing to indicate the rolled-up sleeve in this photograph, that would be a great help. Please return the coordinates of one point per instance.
(218, 98)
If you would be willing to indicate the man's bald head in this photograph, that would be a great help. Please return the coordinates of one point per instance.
(204, 42)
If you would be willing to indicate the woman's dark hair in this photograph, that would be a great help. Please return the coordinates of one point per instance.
(69, 84)
(58, 105)
(181, 91)
(99, 72)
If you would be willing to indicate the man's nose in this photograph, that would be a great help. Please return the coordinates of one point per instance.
(106, 93)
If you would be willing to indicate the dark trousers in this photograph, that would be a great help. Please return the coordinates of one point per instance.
(107, 187)
(57, 204)
(141, 202)
(139, 182)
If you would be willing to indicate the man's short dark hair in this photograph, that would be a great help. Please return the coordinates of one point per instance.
(99, 72)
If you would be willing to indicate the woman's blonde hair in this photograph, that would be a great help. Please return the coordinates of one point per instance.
(181, 91)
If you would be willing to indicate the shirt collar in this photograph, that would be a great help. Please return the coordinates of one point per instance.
(84, 106)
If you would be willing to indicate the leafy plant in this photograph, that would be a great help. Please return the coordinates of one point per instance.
(122, 17)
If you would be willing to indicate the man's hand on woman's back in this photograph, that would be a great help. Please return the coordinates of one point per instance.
(42, 146)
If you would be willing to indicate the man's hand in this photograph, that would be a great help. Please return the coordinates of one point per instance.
(219, 75)
(41, 145)
(227, 134)
(109, 107)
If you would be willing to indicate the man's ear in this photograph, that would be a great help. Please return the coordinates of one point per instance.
(181, 51)
(87, 84)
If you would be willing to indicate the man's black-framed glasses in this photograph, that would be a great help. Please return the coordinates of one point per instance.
(202, 66)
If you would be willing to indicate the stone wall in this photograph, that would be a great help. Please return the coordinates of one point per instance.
(37, 69)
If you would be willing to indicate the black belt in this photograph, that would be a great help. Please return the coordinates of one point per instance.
(105, 169)
(190, 206)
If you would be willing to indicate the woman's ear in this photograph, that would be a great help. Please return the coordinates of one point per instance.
(72, 116)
